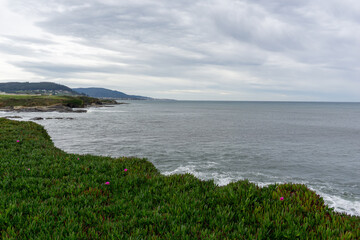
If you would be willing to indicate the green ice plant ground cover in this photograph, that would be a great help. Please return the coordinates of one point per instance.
(46, 193)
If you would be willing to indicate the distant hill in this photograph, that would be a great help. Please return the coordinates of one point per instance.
(107, 93)
(47, 88)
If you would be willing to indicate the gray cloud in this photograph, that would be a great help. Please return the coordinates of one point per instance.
(15, 50)
(27, 40)
(297, 48)
(24, 46)
(65, 70)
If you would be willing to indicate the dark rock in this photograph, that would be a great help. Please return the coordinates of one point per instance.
(80, 111)
(12, 117)
(7, 109)
(53, 108)
(37, 118)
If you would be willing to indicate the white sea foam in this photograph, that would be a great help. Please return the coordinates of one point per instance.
(221, 179)
(182, 170)
(340, 204)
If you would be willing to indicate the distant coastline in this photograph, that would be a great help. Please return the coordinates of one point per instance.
(47, 103)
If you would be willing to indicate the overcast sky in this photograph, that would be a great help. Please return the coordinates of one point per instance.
(279, 50)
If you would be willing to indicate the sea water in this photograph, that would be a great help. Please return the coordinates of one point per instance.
(317, 144)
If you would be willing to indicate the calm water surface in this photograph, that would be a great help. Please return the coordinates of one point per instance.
(317, 144)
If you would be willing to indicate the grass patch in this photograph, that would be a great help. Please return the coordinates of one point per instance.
(48, 100)
(46, 193)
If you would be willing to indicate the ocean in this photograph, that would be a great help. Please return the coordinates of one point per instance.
(317, 144)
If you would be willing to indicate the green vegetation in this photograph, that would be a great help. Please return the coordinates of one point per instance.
(36, 88)
(49, 194)
(47, 100)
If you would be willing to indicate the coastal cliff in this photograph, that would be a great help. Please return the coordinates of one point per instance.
(47, 103)
(49, 194)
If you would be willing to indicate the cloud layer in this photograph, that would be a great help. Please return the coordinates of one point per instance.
(199, 49)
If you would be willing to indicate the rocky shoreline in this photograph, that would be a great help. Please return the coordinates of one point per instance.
(39, 118)
(52, 108)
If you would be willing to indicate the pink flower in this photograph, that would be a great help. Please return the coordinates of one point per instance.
(282, 198)
(107, 183)
(125, 170)
(78, 158)
(28, 169)
(17, 140)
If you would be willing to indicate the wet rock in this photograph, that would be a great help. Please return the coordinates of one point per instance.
(13, 117)
(37, 118)
(80, 111)
(53, 108)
